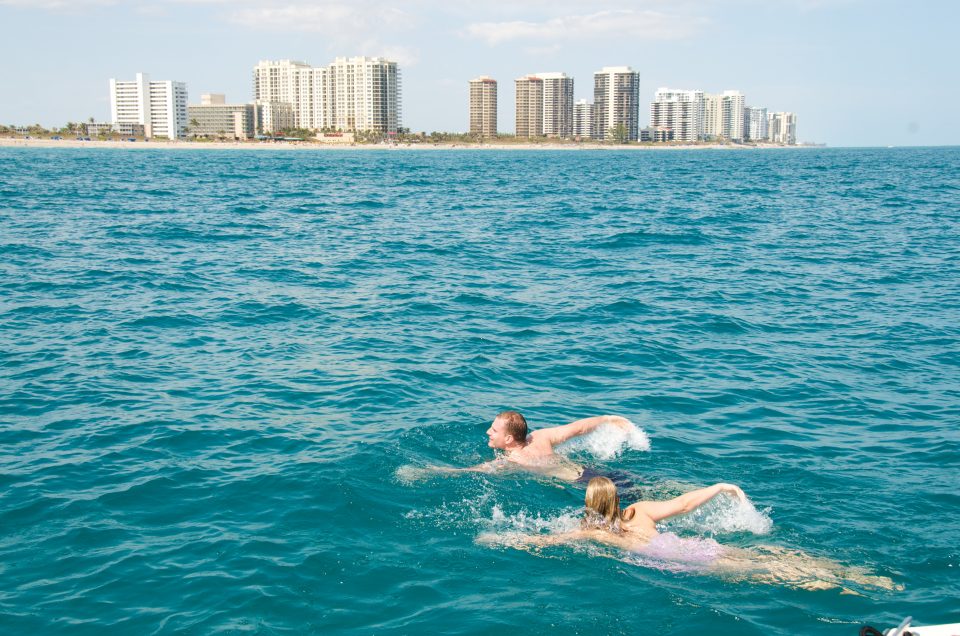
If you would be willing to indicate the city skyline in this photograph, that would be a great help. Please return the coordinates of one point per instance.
(856, 72)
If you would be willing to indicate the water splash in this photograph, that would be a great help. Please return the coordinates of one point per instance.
(608, 442)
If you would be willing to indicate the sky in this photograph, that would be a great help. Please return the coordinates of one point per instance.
(856, 72)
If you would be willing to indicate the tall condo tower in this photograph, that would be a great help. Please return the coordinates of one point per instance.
(679, 110)
(723, 115)
(284, 81)
(732, 115)
(366, 94)
(616, 101)
(711, 126)
(529, 106)
(557, 104)
(754, 123)
(782, 128)
(483, 106)
(583, 119)
(352, 94)
(160, 107)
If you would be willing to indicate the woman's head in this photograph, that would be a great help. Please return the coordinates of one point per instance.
(603, 504)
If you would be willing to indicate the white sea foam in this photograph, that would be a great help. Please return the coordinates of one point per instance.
(409, 474)
(608, 441)
(722, 515)
(527, 522)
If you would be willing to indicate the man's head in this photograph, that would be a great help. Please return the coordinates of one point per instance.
(508, 429)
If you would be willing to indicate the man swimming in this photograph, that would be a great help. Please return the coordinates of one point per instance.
(534, 451)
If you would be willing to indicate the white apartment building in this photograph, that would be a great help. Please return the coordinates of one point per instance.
(529, 106)
(483, 106)
(557, 104)
(365, 94)
(680, 111)
(616, 101)
(754, 123)
(723, 116)
(304, 87)
(711, 126)
(732, 115)
(160, 107)
(782, 128)
(583, 120)
(353, 94)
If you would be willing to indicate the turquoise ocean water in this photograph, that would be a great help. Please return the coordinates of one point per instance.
(221, 372)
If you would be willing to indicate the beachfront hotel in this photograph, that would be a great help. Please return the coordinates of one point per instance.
(616, 100)
(159, 106)
(680, 111)
(583, 120)
(483, 106)
(350, 94)
(214, 117)
(782, 128)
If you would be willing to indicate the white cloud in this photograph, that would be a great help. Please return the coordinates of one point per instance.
(346, 27)
(335, 19)
(58, 5)
(652, 25)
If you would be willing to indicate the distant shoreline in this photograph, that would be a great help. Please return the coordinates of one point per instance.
(8, 142)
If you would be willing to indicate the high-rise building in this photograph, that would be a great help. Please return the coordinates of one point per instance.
(529, 106)
(160, 107)
(583, 119)
(782, 128)
(366, 94)
(557, 104)
(616, 101)
(723, 116)
(732, 115)
(352, 94)
(280, 81)
(680, 111)
(711, 126)
(754, 123)
(483, 106)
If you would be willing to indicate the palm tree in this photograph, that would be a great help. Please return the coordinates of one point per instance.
(618, 133)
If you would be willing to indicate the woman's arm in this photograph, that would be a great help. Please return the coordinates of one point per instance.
(522, 540)
(533, 542)
(688, 502)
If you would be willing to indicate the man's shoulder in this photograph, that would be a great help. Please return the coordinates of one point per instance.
(538, 442)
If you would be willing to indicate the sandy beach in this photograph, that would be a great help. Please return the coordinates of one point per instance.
(308, 145)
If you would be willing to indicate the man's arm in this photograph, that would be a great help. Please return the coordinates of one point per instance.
(559, 434)
(491, 466)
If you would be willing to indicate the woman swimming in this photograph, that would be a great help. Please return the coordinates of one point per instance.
(634, 531)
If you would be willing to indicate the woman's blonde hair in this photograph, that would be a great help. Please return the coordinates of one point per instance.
(603, 506)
